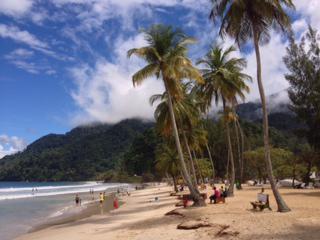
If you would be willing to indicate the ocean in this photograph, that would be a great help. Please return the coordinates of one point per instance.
(24, 205)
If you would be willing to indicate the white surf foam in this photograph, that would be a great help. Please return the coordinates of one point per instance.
(47, 191)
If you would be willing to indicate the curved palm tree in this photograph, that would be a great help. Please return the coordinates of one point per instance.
(187, 115)
(246, 20)
(165, 55)
(224, 80)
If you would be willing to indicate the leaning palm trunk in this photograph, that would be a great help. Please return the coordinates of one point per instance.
(282, 206)
(198, 200)
(232, 177)
(242, 151)
(230, 153)
(195, 180)
(239, 152)
(210, 158)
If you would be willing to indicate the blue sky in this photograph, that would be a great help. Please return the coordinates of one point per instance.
(63, 62)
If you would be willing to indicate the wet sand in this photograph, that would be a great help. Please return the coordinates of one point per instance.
(141, 217)
(75, 213)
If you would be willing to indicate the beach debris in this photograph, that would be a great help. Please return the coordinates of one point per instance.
(193, 224)
(228, 234)
(217, 230)
(175, 212)
(179, 204)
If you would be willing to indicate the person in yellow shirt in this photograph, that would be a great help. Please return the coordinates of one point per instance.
(101, 198)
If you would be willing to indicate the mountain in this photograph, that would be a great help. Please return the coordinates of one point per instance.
(80, 154)
(116, 151)
(280, 115)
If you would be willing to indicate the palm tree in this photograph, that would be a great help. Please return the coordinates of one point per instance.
(224, 80)
(167, 162)
(185, 115)
(246, 20)
(166, 58)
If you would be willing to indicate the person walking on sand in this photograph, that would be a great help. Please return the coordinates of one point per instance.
(101, 198)
(77, 200)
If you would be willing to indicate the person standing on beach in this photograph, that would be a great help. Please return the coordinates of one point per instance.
(101, 198)
(77, 200)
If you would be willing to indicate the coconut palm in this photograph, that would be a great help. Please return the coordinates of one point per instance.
(187, 115)
(167, 162)
(165, 55)
(224, 80)
(246, 20)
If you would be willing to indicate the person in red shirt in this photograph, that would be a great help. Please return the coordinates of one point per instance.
(216, 194)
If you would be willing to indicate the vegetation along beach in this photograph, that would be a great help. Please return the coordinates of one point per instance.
(177, 119)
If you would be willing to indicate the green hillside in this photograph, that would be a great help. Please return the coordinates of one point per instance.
(81, 154)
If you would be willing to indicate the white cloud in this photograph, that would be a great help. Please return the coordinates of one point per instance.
(309, 9)
(19, 53)
(10, 145)
(99, 11)
(105, 92)
(273, 68)
(22, 36)
(22, 59)
(15, 7)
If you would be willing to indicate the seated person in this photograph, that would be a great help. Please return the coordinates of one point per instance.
(223, 192)
(261, 197)
(216, 194)
(181, 188)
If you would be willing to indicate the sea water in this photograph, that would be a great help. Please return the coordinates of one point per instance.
(27, 204)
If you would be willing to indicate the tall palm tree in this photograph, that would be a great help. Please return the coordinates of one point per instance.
(224, 80)
(187, 114)
(246, 20)
(166, 57)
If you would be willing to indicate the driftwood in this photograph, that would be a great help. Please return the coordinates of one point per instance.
(174, 212)
(192, 224)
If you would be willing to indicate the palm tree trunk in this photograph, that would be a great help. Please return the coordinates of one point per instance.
(282, 206)
(174, 183)
(210, 158)
(191, 159)
(230, 153)
(196, 161)
(228, 163)
(232, 177)
(239, 153)
(242, 151)
(195, 194)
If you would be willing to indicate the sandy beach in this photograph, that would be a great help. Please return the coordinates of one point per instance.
(141, 217)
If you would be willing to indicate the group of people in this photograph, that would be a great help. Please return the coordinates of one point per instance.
(34, 190)
(218, 193)
(102, 197)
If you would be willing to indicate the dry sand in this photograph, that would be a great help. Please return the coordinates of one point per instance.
(141, 218)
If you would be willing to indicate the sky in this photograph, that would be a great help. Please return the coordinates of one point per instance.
(63, 63)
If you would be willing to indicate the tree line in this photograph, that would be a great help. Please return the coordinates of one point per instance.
(190, 91)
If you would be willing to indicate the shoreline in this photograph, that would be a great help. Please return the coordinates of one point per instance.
(143, 217)
(25, 215)
(86, 210)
